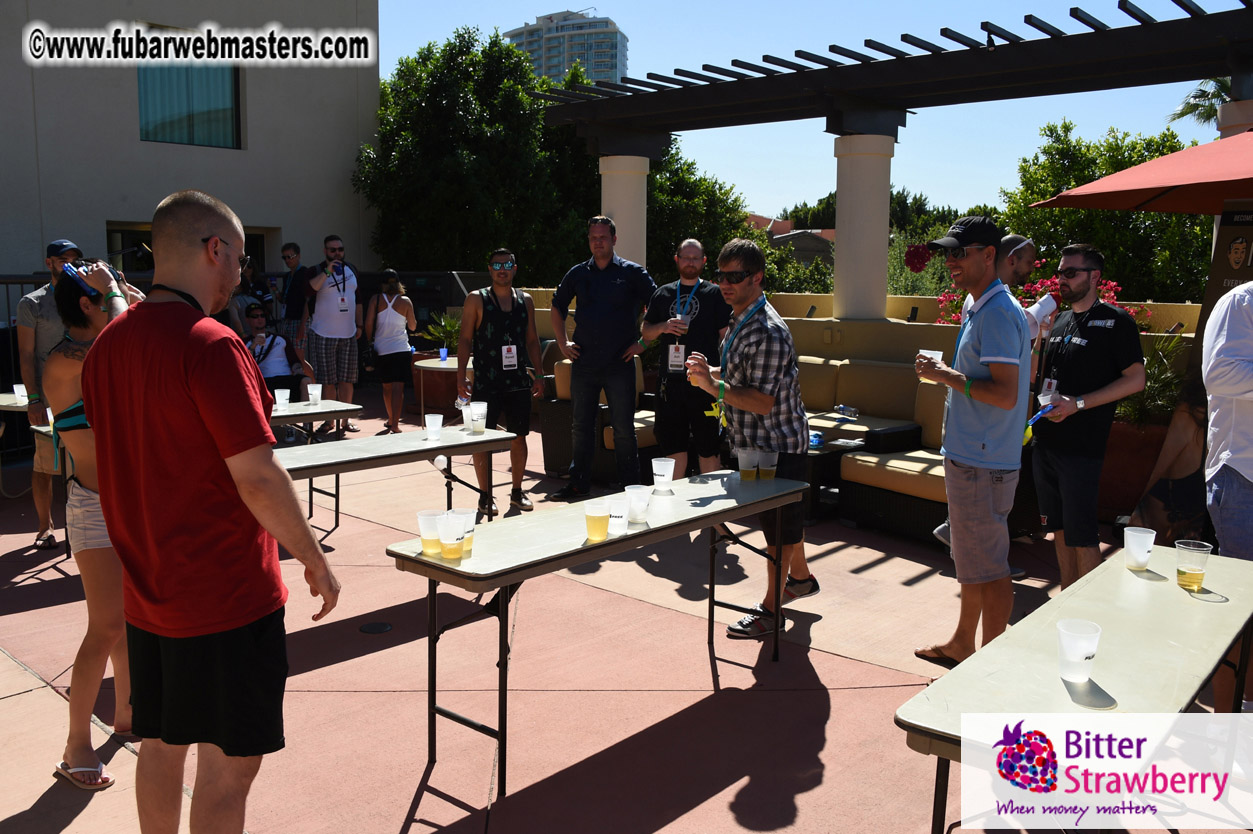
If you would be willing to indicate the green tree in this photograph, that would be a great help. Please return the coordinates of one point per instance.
(821, 215)
(1152, 255)
(1201, 105)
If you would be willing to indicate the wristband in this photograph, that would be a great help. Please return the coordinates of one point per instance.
(968, 381)
(643, 343)
(32, 398)
(722, 390)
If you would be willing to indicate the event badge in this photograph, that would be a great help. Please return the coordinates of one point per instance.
(676, 353)
(343, 304)
(1049, 388)
(509, 357)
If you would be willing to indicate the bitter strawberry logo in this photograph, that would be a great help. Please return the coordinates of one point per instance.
(1027, 760)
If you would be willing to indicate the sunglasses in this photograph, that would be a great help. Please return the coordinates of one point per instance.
(334, 249)
(732, 276)
(960, 252)
(1070, 272)
(497, 266)
(243, 259)
(287, 256)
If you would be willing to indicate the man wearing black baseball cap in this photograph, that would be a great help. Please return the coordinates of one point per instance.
(983, 426)
(39, 328)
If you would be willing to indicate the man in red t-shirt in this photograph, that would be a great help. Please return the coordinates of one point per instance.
(194, 501)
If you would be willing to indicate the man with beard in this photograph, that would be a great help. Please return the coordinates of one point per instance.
(1092, 360)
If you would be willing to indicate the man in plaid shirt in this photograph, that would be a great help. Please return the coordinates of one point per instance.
(756, 384)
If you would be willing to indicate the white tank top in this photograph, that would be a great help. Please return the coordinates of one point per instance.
(389, 330)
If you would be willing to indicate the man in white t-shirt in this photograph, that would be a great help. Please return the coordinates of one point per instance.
(334, 328)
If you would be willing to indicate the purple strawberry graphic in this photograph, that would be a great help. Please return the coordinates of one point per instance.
(1027, 760)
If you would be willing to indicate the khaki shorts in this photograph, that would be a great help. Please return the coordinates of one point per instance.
(979, 501)
(45, 460)
(84, 519)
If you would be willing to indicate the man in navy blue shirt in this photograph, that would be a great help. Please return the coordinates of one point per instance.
(609, 295)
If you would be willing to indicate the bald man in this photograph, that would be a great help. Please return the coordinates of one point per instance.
(194, 501)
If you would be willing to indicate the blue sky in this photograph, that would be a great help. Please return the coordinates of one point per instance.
(776, 166)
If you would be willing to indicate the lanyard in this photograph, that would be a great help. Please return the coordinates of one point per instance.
(726, 345)
(186, 296)
(343, 279)
(682, 306)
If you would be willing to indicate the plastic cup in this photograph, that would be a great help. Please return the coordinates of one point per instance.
(315, 393)
(748, 464)
(434, 425)
(937, 355)
(428, 529)
(637, 497)
(478, 417)
(1137, 546)
(1191, 558)
(466, 416)
(597, 513)
(19, 391)
(1044, 399)
(686, 319)
(452, 532)
(767, 462)
(468, 517)
(663, 472)
(443, 354)
(618, 508)
(1076, 648)
(282, 397)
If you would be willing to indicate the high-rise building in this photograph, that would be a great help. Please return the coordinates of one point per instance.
(555, 41)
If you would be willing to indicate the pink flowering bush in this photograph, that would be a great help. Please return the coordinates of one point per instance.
(951, 299)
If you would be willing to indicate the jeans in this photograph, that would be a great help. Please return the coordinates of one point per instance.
(618, 382)
(1229, 496)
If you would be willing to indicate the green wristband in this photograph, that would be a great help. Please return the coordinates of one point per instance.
(968, 381)
(643, 343)
(722, 390)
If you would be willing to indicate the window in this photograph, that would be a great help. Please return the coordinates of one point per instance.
(189, 105)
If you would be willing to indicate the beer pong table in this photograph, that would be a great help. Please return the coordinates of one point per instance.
(537, 544)
(308, 413)
(12, 402)
(1159, 646)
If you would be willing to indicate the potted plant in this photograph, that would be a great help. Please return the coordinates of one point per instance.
(439, 388)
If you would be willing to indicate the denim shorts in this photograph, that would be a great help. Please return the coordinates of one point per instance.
(1229, 496)
(979, 501)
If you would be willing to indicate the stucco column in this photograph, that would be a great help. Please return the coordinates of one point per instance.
(1235, 117)
(624, 197)
(863, 174)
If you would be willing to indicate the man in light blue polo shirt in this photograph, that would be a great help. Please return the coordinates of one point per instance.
(983, 429)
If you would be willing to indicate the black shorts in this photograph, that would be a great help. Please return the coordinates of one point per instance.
(681, 419)
(514, 406)
(224, 689)
(1067, 488)
(792, 467)
(394, 367)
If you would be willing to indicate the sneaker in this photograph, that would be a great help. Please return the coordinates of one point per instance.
(517, 498)
(753, 626)
(942, 534)
(569, 492)
(327, 427)
(1016, 572)
(290, 436)
(487, 507)
(800, 588)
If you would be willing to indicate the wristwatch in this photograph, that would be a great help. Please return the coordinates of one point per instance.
(1079, 406)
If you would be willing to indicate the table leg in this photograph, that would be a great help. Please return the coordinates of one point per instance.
(336, 500)
(939, 802)
(432, 653)
(448, 481)
(310, 499)
(1242, 667)
(488, 485)
(778, 581)
(421, 397)
(502, 694)
(713, 553)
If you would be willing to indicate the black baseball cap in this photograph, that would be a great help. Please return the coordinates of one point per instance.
(975, 230)
(60, 247)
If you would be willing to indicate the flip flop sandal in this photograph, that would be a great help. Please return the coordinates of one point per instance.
(67, 773)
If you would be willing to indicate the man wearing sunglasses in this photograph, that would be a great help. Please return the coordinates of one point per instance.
(609, 294)
(755, 385)
(984, 420)
(291, 301)
(335, 327)
(498, 328)
(1092, 360)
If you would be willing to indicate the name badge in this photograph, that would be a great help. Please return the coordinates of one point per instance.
(509, 357)
(1049, 388)
(677, 355)
(343, 304)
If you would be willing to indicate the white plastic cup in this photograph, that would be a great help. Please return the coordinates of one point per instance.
(663, 472)
(19, 391)
(618, 508)
(467, 416)
(315, 393)
(1137, 546)
(748, 464)
(1076, 649)
(637, 497)
(767, 462)
(596, 512)
(937, 355)
(1044, 399)
(478, 417)
(434, 425)
(467, 516)
(282, 398)
(685, 319)
(428, 529)
(452, 532)
(1191, 556)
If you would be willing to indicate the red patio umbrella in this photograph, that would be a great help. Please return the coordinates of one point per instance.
(1194, 180)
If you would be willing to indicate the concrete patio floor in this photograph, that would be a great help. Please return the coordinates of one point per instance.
(622, 718)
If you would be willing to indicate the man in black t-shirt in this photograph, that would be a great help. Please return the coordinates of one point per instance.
(1092, 360)
(688, 316)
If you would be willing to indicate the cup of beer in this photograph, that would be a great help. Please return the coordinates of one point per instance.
(685, 320)
(596, 512)
(767, 462)
(1137, 546)
(428, 529)
(468, 517)
(452, 532)
(1076, 648)
(748, 464)
(1191, 558)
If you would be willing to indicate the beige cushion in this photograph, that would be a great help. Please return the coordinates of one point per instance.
(884, 389)
(826, 423)
(929, 412)
(817, 378)
(645, 436)
(919, 473)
